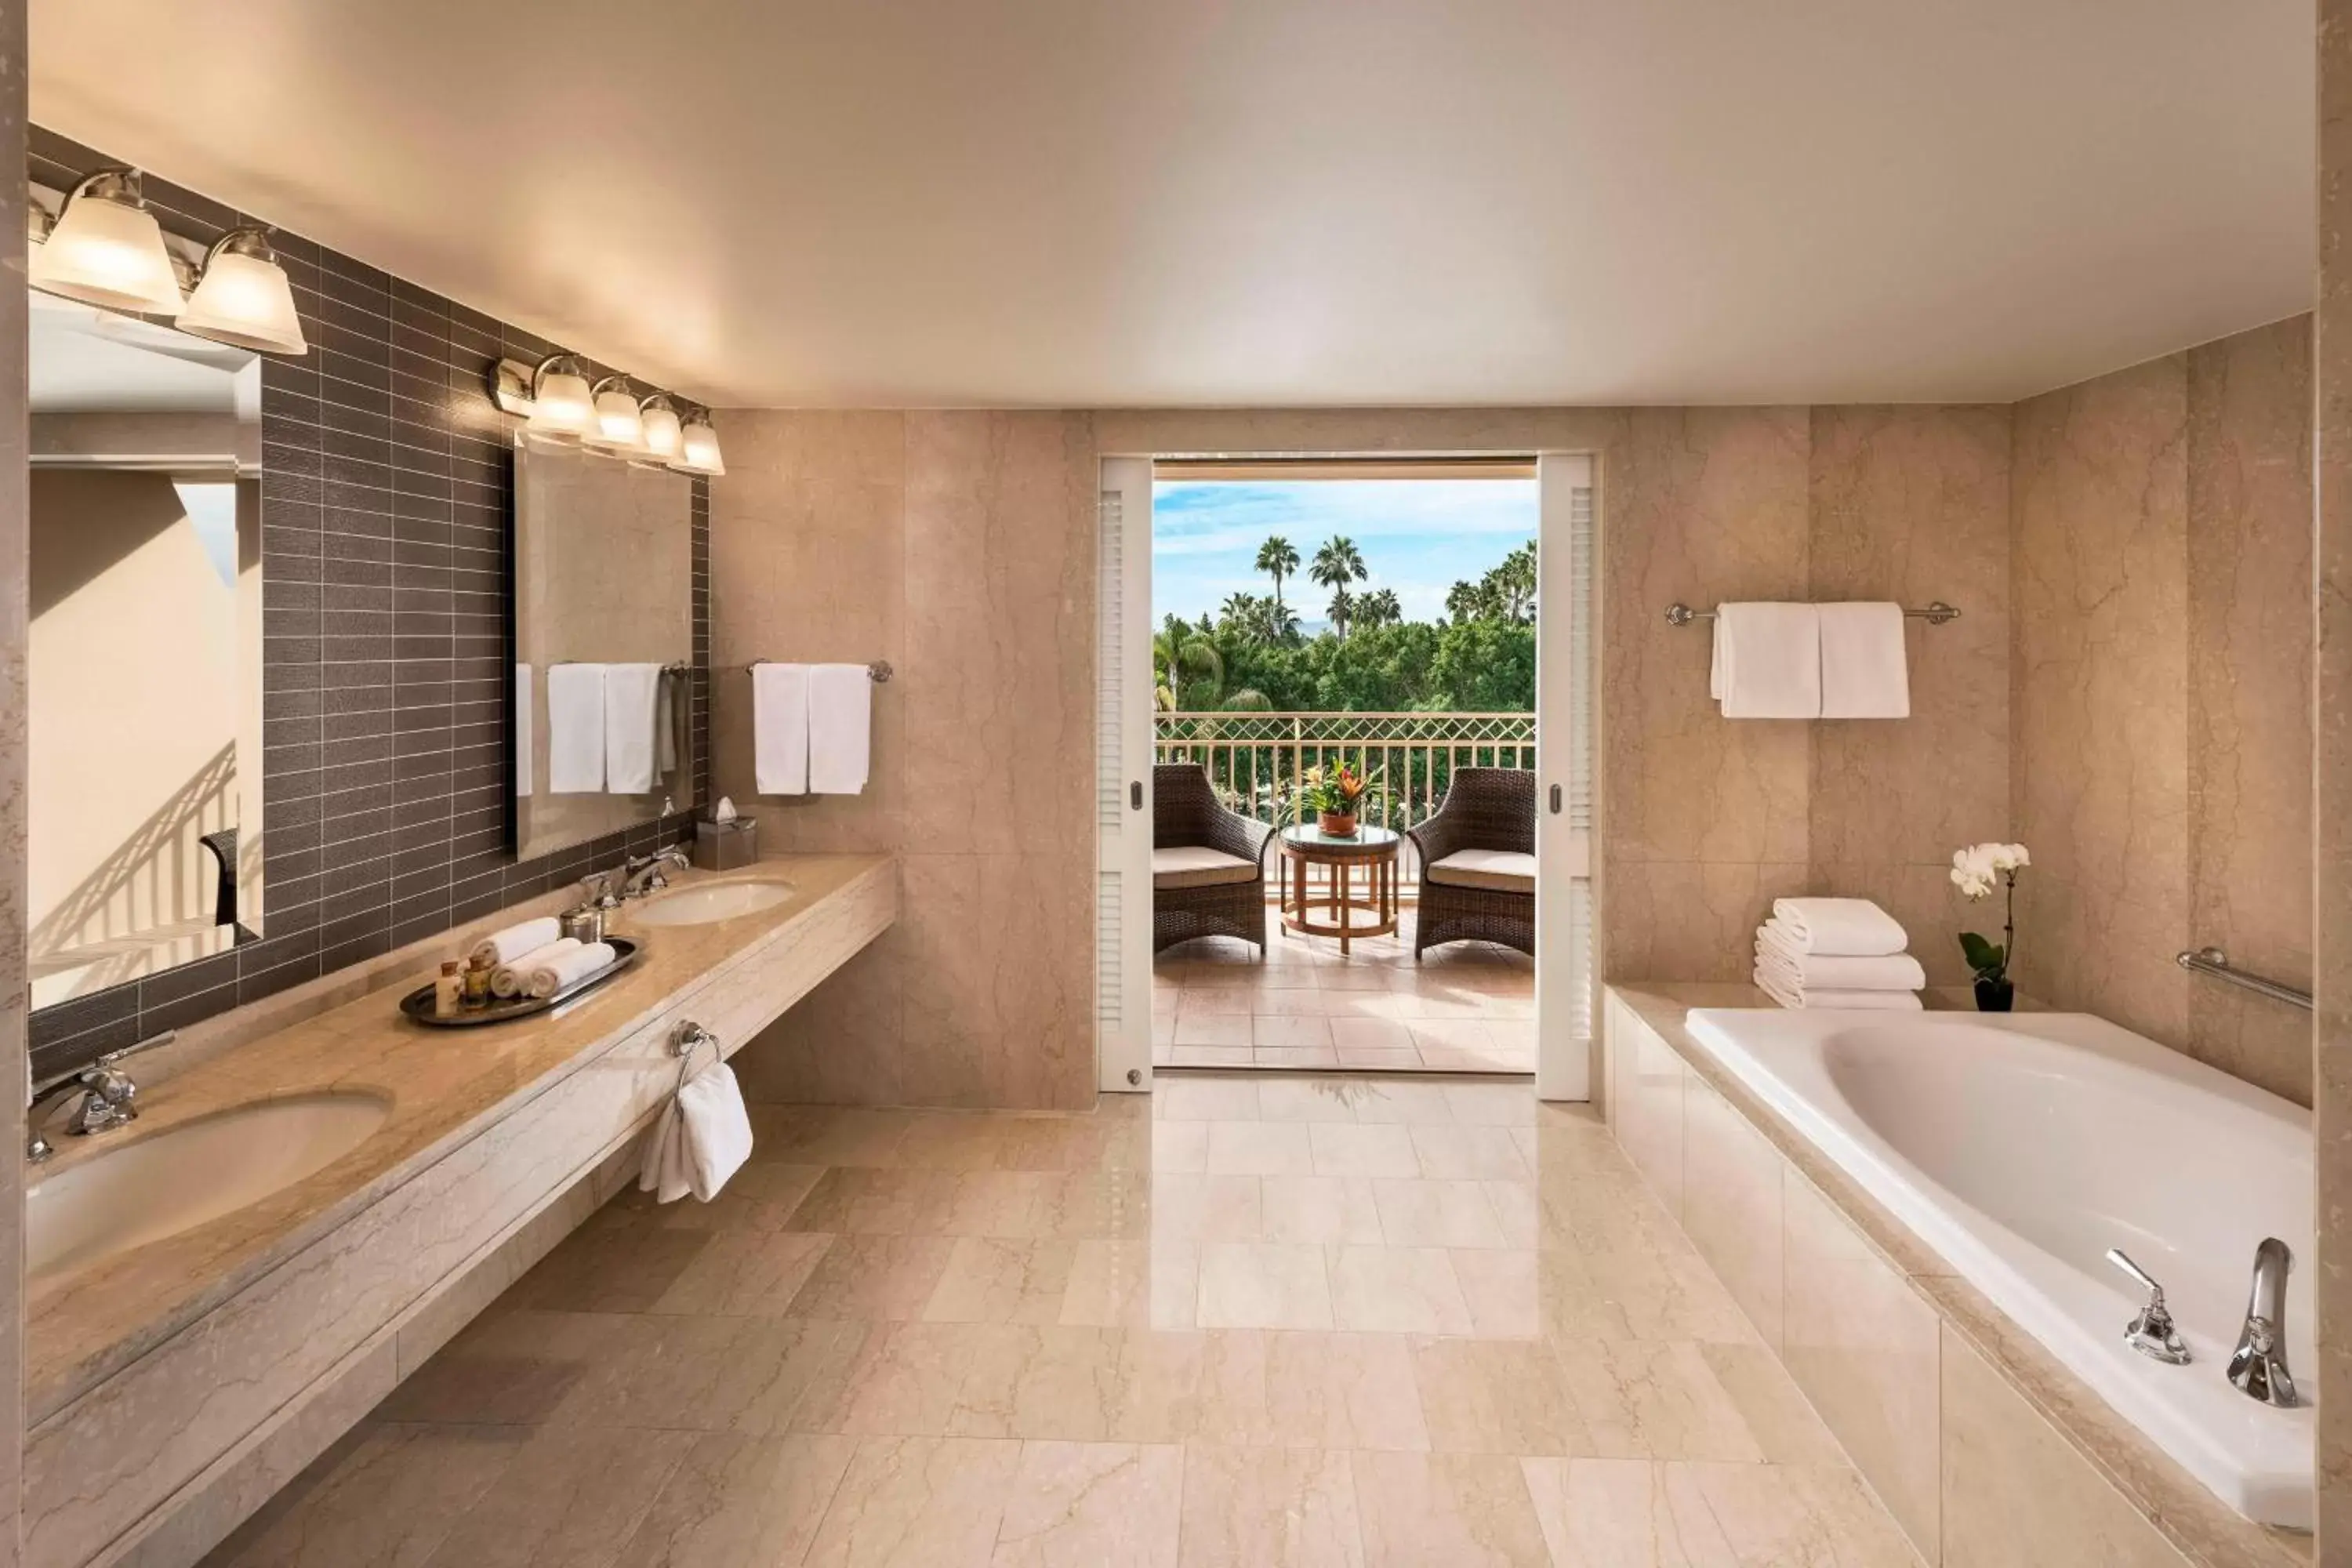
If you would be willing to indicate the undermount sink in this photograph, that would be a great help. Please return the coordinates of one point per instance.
(145, 1189)
(706, 905)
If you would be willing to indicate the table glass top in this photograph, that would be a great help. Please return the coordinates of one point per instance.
(1308, 836)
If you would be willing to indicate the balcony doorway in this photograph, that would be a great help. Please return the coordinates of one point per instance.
(1349, 638)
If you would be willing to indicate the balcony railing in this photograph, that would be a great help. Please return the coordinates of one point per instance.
(1256, 760)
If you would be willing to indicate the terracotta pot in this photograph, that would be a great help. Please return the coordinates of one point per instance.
(1995, 995)
(1339, 825)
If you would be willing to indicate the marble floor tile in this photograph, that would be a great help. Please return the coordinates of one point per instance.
(710, 1375)
(1075, 1505)
(745, 1274)
(1471, 1510)
(1209, 1208)
(1653, 1400)
(1261, 1508)
(609, 1268)
(507, 1368)
(1180, 1148)
(1396, 1290)
(867, 1276)
(993, 1279)
(1317, 1210)
(1363, 1148)
(1258, 1149)
(1425, 1213)
(571, 1495)
(758, 1197)
(1257, 1388)
(1500, 1290)
(1305, 1099)
(1258, 1285)
(826, 1135)
(1473, 1152)
(1801, 1514)
(384, 1496)
(1213, 1029)
(1133, 1284)
(918, 1503)
(1494, 1396)
(1207, 1057)
(1624, 1513)
(734, 1501)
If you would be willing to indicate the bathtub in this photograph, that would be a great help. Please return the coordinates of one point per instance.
(2020, 1148)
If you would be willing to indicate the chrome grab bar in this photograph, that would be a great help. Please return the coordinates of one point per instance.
(2212, 961)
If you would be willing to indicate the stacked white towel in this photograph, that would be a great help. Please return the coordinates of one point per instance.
(1836, 953)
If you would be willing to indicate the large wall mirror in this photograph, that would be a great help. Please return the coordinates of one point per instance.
(604, 640)
(143, 670)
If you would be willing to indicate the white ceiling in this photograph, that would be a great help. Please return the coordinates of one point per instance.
(1104, 203)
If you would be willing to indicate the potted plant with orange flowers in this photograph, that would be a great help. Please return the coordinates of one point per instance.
(1334, 793)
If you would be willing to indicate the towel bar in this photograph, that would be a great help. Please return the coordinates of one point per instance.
(2212, 961)
(1681, 614)
(879, 672)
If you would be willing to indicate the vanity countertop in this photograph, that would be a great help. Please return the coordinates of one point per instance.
(442, 1088)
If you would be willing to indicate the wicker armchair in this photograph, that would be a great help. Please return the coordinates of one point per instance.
(1477, 862)
(1208, 864)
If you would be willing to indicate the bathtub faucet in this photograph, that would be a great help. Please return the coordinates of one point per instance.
(2258, 1369)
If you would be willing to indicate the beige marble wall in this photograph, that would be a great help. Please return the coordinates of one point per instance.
(2332, 775)
(13, 993)
(959, 546)
(2160, 756)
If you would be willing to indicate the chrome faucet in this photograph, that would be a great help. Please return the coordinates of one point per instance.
(109, 1098)
(2258, 1368)
(643, 874)
(2150, 1332)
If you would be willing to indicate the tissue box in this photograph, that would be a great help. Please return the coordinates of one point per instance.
(724, 845)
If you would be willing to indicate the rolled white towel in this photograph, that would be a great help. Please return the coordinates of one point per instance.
(512, 943)
(544, 980)
(1849, 928)
(509, 979)
(1894, 972)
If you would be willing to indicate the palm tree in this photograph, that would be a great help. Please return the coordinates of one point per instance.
(1337, 565)
(1188, 666)
(1380, 608)
(1277, 560)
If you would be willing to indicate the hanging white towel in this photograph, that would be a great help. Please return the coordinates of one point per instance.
(840, 717)
(545, 977)
(526, 708)
(1851, 928)
(780, 728)
(513, 979)
(511, 942)
(701, 1137)
(665, 708)
(1768, 661)
(575, 729)
(1864, 672)
(632, 701)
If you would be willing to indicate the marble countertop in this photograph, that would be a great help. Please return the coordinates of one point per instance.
(443, 1086)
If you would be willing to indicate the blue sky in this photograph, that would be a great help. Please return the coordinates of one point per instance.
(1417, 536)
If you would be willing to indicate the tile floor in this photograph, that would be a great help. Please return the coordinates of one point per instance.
(1464, 1008)
(1258, 1321)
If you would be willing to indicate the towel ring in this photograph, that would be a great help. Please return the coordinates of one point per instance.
(684, 1041)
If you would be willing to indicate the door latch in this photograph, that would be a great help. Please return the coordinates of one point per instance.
(1135, 794)
(1555, 800)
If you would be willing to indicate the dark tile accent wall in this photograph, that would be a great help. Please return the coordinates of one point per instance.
(386, 508)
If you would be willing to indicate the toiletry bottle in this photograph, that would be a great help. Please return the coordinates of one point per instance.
(478, 983)
(448, 988)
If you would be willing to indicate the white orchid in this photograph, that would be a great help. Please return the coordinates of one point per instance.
(2007, 856)
(1980, 871)
(1973, 872)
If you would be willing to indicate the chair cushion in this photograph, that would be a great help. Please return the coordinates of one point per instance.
(1494, 871)
(1198, 866)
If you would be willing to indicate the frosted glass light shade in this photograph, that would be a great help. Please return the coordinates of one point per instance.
(108, 250)
(244, 298)
(663, 441)
(618, 430)
(562, 409)
(698, 452)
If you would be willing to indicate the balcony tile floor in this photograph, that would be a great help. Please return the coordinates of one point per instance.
(1260, 1320)
(1466, 1007)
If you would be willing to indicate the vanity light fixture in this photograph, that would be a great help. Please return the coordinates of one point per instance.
(562, 409)
(699, 444)
(107, 249)
(243, 297)
(664, 441)
(619, 431)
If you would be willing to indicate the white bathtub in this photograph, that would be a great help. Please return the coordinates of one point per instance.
(2020, 1148)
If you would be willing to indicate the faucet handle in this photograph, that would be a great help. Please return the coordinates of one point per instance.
(2151, 1331)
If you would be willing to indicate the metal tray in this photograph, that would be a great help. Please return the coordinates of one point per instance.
(418, 1003)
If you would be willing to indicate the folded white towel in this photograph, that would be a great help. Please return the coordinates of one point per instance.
(1864, 670)
(1774, 984)
(631, 703)
(1890, 972)
(1768, 661)
(1851, 928)
(702, 1137)
(568, 964)
(511, 942)
(780, 728)
(841, 706)
(526, 708)
(511, 979)
(575, 729)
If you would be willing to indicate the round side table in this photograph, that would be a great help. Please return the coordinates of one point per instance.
(1370, 850)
